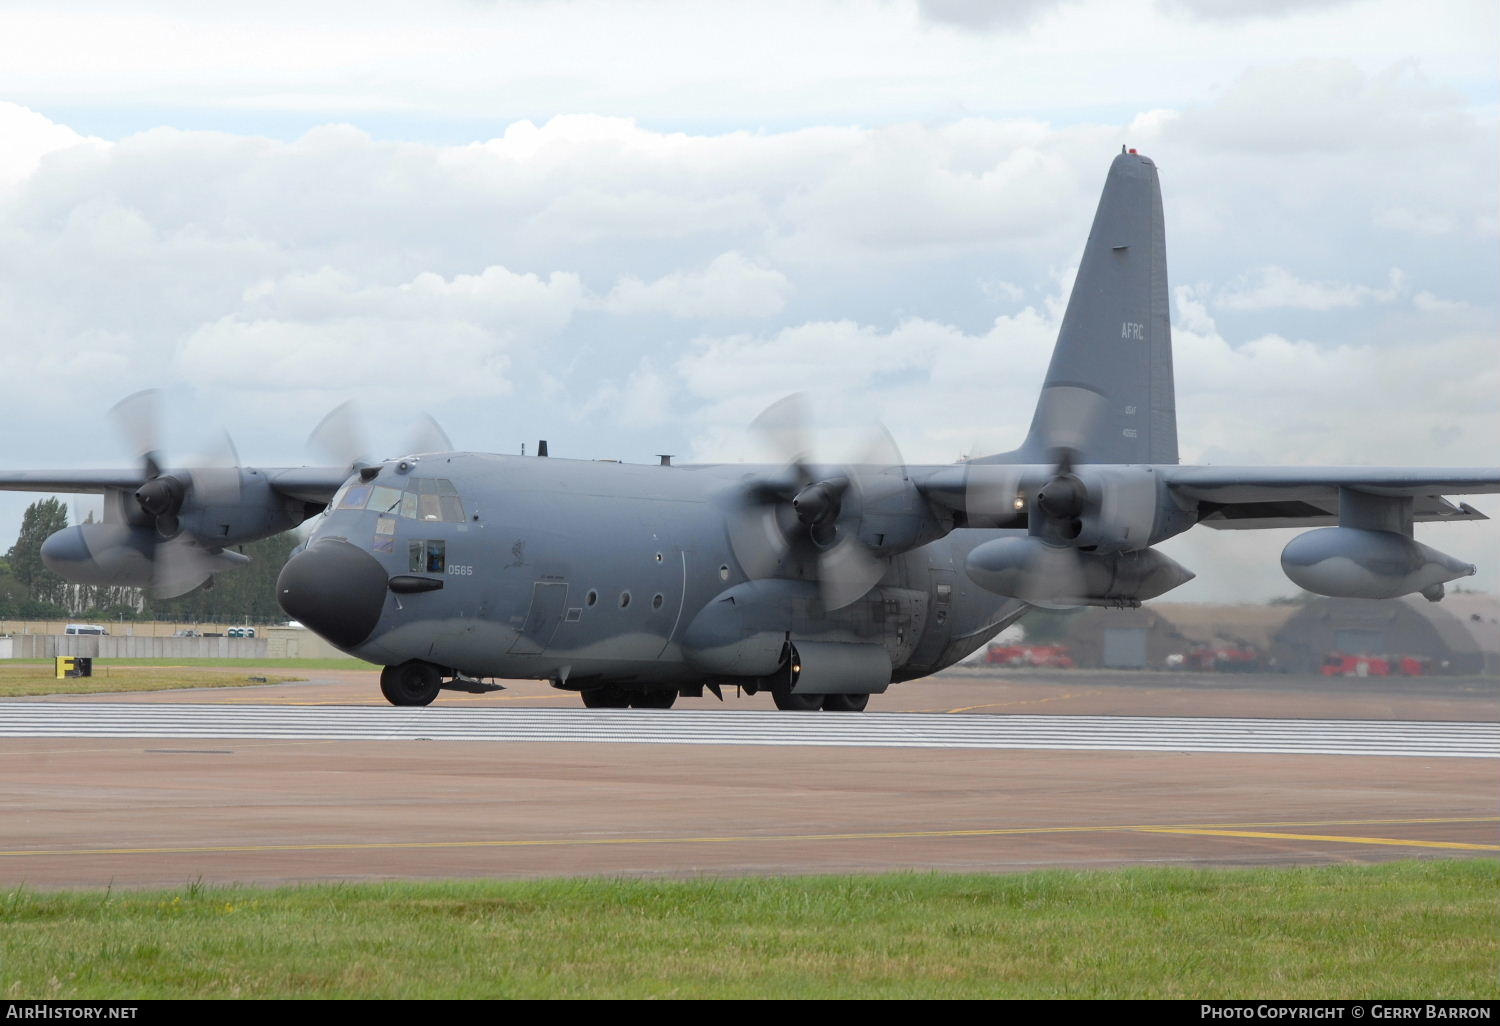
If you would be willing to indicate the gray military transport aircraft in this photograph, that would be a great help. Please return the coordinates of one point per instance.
(822, 584)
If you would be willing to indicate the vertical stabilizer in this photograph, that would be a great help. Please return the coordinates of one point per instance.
(1108, 392)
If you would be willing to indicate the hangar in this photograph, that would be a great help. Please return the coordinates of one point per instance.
(1460, 635)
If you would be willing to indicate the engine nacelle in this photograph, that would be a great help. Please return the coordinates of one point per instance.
(114, 555)
(1351, 562)
(1029, 569)
(117, 555)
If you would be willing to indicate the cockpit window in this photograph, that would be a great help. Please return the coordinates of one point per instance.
(436, 500)
(433, 499)
(384, 499)
(355, 497)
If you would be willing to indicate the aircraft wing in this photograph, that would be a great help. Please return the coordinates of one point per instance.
(310, 484)
(69, 480)
(1248, 498)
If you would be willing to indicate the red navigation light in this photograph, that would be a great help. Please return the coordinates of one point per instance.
(1132, 151)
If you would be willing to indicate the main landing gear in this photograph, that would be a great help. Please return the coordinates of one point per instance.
(617, 696)
(790, 702)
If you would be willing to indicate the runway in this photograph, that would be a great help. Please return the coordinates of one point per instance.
(740, 727)
(992, 774)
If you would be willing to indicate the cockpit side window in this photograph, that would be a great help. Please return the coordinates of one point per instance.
(428, 557)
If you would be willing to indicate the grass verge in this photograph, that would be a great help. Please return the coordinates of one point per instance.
(25, 680)
(346, 663)
(1397, 930)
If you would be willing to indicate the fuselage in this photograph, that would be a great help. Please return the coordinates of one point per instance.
(584, 572)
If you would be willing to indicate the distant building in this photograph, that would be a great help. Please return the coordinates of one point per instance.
(1460, 635)
(1157, 635)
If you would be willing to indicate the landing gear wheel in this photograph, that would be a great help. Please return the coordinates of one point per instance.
(606, 696)
(413, 683)
(653, 698)
(845, 703)
(789, 702)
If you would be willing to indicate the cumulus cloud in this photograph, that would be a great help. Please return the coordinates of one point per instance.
(984, 15)
(730, 286)
(1273, 288)
(625, 290)
(1317, 105)
(1240, 10)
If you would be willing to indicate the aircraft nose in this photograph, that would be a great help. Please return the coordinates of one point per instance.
(336, 589)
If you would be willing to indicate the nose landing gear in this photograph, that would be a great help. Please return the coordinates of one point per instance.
(412, 683)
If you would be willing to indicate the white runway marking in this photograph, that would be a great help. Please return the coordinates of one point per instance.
(715, 727)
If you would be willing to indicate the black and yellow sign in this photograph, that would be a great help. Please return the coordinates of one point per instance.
(74, 666)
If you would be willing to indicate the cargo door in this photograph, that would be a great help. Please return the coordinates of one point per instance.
(547, 602)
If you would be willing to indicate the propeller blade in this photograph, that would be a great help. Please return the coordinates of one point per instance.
(1054, 577)
(879, 449)
(178, 566)
(1066, 415)
(847, 572)
(217, 481)
(340, 436)
(427, 435)
(756, 538)
(994, 490)
(138, 418)
(879, 470)
(783, 427)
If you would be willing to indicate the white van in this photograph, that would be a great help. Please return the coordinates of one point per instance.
(85, 628)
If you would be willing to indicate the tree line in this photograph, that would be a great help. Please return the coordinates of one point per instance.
(29, 591)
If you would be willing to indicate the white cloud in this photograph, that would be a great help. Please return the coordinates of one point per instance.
(1277, 288)
(985, 15)
(730, 286)
(1428, 303)
(1314, 105)
(625, 290)
(28, 138)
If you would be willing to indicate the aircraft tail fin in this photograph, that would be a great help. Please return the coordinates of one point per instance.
(1108, 393)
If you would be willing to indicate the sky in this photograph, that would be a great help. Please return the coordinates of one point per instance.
(627, 227)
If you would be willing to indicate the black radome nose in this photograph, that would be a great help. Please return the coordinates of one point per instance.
(335, 589)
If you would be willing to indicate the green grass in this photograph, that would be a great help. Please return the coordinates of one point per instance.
(30, 680)
(1414, 930)
(287, 664)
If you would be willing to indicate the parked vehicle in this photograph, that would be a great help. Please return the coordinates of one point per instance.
(1337, 664)
(1053, 657)
(85, 628)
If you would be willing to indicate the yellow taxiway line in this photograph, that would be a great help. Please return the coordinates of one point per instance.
(1341, 838)
(1223, 830)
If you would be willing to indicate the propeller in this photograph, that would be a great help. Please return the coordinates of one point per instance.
(179, 562)
(1048, 566)
(1088, 527)
(807, 510)
(341, 436)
